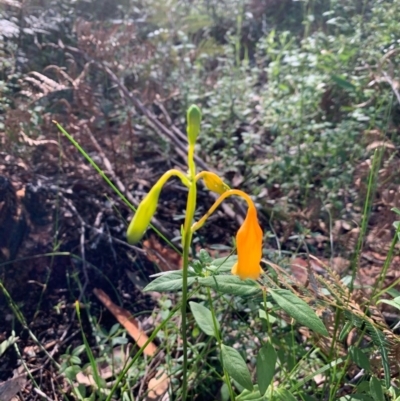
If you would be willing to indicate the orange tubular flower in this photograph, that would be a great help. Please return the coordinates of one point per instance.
(249, 247)
(248, 238)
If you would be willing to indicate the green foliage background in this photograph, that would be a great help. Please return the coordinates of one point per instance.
(290, 88)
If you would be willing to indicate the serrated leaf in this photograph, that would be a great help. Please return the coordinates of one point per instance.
(236, 367)
(359, 358)
(168, 282)
(299, 310)
(203, 318)
(376, 389)
(379, 339)
(227, 284)
(266, 360)
(345, 330)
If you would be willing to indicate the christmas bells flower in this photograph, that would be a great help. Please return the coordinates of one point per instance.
(248, 238)
(148, 206)
(143, 215)
(249, 247)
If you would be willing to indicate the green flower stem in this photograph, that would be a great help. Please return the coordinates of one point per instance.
(191, 164)
(186, 242)
(200, 175)
(212, 209)
(219, 340)
(269, 327)
(173, 172)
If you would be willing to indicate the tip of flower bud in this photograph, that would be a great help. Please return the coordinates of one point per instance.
(214, 183)
(193, 123)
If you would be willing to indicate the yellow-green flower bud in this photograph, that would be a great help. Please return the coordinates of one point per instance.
(214, 183)
(143, 215)
(193, 123)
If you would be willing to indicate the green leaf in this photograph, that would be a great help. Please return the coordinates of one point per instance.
(343, 83)
(396, 210)
(78, 350)
(169, 282)
(359, 358)
(379, 339)
(285, 395)
(346, 330)
(75, 360)
(7, 343)
(223, 265)
(236, 367)
(393, 302)
(227, 284)
(247, 395)
(203, 318)
(114, 329)
(299, 310)
(393, 292)
(301, 382)
(306, 397)
(356, 397)
(266, 360)
(71, 371)
(376, 389)
(263, 315)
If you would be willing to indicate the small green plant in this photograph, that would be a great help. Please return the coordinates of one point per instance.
(271, 293)
(208, 273)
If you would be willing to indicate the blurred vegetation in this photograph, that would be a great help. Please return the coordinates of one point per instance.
(290, 88)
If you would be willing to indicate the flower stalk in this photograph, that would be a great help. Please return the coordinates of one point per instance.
(186, 241)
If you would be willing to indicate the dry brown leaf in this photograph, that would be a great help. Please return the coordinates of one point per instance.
(120, 357)
(166, 258)
(298, 267)
(157, 386)
(128, 321)
(377, 144)
(14, 385)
